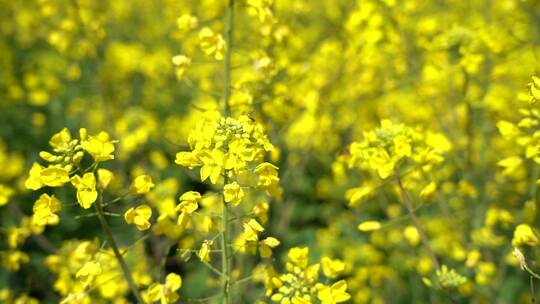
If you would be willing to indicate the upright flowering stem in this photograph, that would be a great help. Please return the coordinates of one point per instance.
(225, 253)
(225, 249)
(110, 239)
(227, 67)
(416, 222)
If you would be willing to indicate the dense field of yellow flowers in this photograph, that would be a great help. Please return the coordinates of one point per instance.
(269, 151)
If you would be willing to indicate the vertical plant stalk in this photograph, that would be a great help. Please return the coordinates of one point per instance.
(533, 296)
(225, 253)
(110, 239)
(228, 54)
(226, 257)
(416, 222)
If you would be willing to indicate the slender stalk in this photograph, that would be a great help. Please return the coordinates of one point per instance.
(533, 296)
(227, 66)
(416, 222)
(110, 239)
(225, 250)
(225, 253)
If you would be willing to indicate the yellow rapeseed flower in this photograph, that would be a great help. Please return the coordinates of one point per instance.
(86, 189)
(142, 184)
(140, 216)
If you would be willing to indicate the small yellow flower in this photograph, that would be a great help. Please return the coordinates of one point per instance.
(165, 293)
(428, 190)
(5, 194)
(266, 245)
(233, 193)
(261, 9)
(188, 205)
(507, 129)
(213, 165)
(190, 196)
(212, 44)
(524, 235)
(33, 181)
(369, 226)
(89, 272)
(142, 184)
(410, 233)
(268, 175)
(45, 209)
(13, 259)
(50, 176)
(299, 256)
(101, 147)
(332, 268)
(86, 189)
(187, 22)
(187, 159)
(337, 293)
(251, 228)
(206, 249)
(61, 139)
(181, 63)
(140, 216)
(104, 177)
(54, 176)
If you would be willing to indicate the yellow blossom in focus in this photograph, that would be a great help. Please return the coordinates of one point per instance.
(251, 228)
(86, 189)
(233, 193)
(189, 202)
(268, 175)
(299, 256)
(165, 293)
(337, 293)
(50, 176)
(140, 216)
(45, 209)
(101, 147)
(187, 159)
(266, 245)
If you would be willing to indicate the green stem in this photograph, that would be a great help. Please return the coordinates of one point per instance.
(416, 222)
(225, 253)
(533, 296)
(225, 249)
(228, 54)
(531, 272)
(110, 239)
